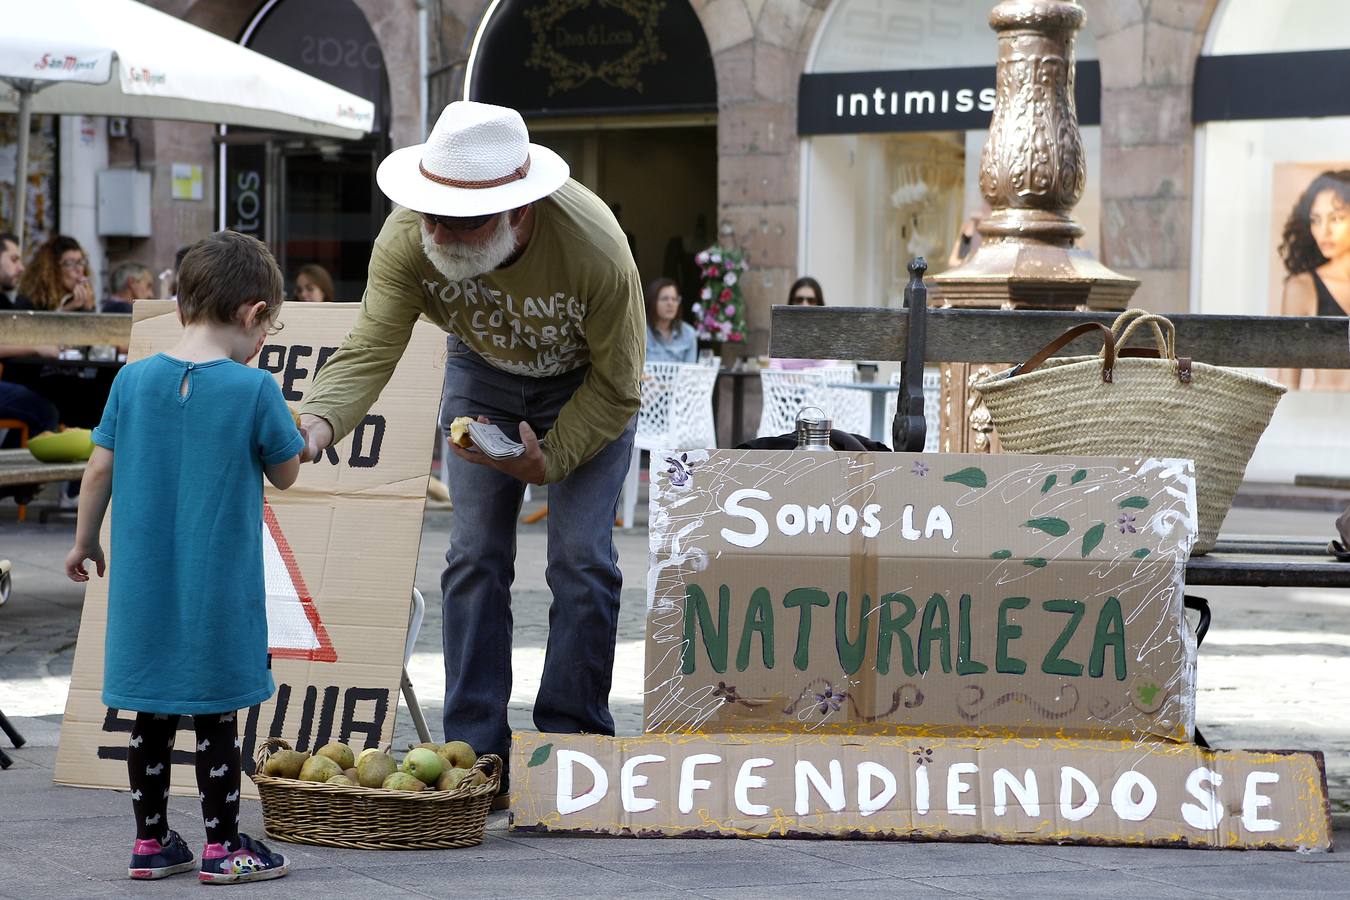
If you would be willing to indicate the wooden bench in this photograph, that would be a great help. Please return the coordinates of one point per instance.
(917, 335)
(21, 476)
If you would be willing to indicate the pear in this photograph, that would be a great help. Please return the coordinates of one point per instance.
(351, 773)
(372, 770)
(341, 779)
(423, 764)
(285, 763)
(428, 746)
(369, 751)
(402, 781)
(451, 779)
(457, 754)
(319, 768)
(339, 753)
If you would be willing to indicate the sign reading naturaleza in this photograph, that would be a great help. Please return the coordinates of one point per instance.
(1036, 791)
(944, 594)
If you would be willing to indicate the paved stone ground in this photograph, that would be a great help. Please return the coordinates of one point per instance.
(1272, 675)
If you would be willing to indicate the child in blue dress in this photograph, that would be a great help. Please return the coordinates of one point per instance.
(184, 443)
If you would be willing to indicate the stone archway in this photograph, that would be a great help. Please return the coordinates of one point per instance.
(757, 51)
(174, 223)
(395, 28)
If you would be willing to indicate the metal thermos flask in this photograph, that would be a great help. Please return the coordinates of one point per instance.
(813, 431)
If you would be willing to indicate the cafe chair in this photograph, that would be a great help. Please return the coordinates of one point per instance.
(932, 411)
(676, 414)
(788, 391)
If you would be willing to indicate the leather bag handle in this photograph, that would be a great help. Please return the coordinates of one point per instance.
(1077, 331)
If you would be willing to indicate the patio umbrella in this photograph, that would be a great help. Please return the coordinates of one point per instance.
(122, 58)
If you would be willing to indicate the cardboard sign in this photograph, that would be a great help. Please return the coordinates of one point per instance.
(944, 594)
(1033, 791)
(341, 552)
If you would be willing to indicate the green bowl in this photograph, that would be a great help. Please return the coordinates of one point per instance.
(71, 445)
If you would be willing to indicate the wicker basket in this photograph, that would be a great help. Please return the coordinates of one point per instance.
(1160, 407)
(360, 818)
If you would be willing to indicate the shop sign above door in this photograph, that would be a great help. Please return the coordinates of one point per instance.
(586, 57)
(918, 100)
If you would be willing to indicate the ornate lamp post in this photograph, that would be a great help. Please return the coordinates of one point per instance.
(1032, 174)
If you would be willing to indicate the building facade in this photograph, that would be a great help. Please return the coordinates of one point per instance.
(835, 138)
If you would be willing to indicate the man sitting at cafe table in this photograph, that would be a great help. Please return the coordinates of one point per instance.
(532, 278)
(131, 281)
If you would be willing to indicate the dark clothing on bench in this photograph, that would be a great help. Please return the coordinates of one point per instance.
(18, 402)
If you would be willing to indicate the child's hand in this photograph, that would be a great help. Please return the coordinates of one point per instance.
(75, 562)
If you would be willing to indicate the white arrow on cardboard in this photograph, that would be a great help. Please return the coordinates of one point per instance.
(294, 629)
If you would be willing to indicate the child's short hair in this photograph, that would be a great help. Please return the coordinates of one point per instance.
(225, 271)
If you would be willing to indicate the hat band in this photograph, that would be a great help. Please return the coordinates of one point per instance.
(514, 175)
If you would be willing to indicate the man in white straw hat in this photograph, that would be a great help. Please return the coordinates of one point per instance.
(532, 277)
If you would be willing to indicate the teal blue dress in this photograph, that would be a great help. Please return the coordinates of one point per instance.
(187, 616)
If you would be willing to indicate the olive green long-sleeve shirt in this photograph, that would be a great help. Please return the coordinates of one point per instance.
(572, 298)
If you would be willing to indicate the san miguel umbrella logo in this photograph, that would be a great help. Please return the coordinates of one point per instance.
(294, 629)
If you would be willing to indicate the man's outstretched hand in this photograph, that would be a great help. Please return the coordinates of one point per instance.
(528, 467)
(318, 436)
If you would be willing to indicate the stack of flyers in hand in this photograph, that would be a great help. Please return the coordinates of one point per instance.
(490, 440)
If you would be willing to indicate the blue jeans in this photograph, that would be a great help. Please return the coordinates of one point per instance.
(583, 572)
(18, 402)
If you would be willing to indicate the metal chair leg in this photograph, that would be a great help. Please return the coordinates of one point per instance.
(15, 738)
(415, 710)
(1200, 605)
(419, 608)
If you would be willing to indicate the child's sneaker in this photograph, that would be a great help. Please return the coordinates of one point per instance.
(252, 861)
(151, 859)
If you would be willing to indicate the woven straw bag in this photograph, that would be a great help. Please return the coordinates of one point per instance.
(1137, 403)
(360, 818)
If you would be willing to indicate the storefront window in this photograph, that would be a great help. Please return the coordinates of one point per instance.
(1273, 116)
(40, 212)
(314, 201)
(914, 85)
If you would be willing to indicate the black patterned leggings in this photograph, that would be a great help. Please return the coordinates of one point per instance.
(149, 755)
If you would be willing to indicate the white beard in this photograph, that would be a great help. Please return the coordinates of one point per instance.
(458, 261)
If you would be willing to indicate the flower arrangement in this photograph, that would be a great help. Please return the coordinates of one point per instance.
(719, 315)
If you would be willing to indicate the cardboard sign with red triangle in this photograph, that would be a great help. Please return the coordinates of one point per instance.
(294, 629)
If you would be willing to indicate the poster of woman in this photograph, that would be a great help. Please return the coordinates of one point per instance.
(1313, 199)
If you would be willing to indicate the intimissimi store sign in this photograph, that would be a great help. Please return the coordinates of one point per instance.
(918, 100)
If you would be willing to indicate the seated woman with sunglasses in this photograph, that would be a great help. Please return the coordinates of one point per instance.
(805, 291)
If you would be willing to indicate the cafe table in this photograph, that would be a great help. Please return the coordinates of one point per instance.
(878, 429)
(738, 378)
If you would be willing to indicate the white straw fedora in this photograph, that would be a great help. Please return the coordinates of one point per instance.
(478, 160)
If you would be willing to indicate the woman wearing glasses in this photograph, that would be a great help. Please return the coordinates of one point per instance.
(57, 280)
(669, 339)
(805, 291)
